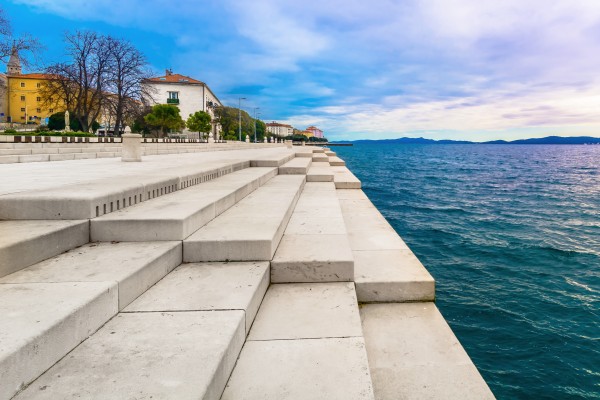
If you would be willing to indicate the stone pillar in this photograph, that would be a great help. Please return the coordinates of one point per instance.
(288, 144)
(265, 139)
(247, 139)
(132, 146)
(210, 138)
(303, 143)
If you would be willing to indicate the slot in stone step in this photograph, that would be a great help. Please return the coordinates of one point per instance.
(315, 245)
(385, 269)
(209, 287)
(296, 166)
(250, 230)
(319, 172)
(159, 355)
(178, 215)
(51, 307)
(23, 243)
(413, 354)
(307, 340)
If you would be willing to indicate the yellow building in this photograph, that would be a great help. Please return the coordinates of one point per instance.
(23, 95)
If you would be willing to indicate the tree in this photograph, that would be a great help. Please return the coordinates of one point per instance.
(228, 117)
(56, 122)
(199, 122)
(24, 45)
(165, 116)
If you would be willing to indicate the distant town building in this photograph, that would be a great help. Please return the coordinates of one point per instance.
(280, 130)
(188, 94)
(316, 132)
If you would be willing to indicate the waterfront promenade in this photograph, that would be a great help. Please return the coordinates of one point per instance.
(252, 272)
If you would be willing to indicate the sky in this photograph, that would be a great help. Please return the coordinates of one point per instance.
(441, 69)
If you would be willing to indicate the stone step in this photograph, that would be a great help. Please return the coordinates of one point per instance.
(149, 355)
(320, 157)
(177, 215)
(9, 159)
(250, 230)
(336, 161)
(296, 166)
(315, 245)
(54, 305)
(344, 179)
(93, 198)
(385, 269)
(329, 153)
(319, 172)
(413, 354)
(304, 152)
(209, 287)
(318, 150)
(273, 160)
(23, 243)
(308, 342)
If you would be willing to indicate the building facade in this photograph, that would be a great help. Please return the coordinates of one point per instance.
(316, 132)
(188, 94)
(279, 130)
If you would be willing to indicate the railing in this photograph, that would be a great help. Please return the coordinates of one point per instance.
(172, 101)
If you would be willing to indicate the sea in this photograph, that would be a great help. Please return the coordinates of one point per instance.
(511, 234)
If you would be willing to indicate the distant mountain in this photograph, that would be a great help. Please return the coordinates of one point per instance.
(545, 140)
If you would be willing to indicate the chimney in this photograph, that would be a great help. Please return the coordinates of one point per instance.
(168, 72)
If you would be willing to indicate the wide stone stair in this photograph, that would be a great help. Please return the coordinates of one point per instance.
(242, 278)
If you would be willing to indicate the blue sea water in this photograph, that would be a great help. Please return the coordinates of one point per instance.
(511, 233)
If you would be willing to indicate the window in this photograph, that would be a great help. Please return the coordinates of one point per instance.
(39, 85)
(22, 109)
(51, 111)
(22, 98)
(173, 95)
(22, 84)
(22, 117)
(38, 98)
(38, 110)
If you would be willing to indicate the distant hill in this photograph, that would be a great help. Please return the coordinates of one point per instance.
(545, 140)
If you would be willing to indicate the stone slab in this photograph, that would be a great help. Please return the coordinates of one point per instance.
(177, 215)
(319, 172)
(320, 157)
(296, 166)
(391, 276)
(250, 230)
(183, 355)
(9, 159)
(209, 287)
(34, 158)
(42, 322)
(413, 354)
(274, 160)
(307, 311)
(135, 267)
(312, 258)
(327, 369)
(336, 161)
(23, 243)
(344, 179)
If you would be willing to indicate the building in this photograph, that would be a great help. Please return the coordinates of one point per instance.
(23, 100)
(188, 94)
(279, 130)
(316, 132)
(3, 97)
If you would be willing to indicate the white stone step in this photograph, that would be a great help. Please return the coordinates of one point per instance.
(307, 340)
(23, 243)
(177, 215)
(320, 157)
(9, 159)
(209, 287)
(413, 354)
(149, 355)
(250, 230)
(385, 269)
(318, 150)
(336, 161)
(93, 198)
(315, 245)
(344, 179)
(304, 152)
(329, 153)
(273, 160)
(296, 166)
(42, 322)
(319, 172)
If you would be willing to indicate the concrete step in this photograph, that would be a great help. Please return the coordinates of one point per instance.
(344, 179)
(177, 215)
(315, 245)
(149, 355)
(296, 166)
(336, 161)
(273, 160)
(413, 354)
(320, 157)
(54, 305)
(93, 198)
(9, 159)
(23, 243)
(329, 153)
(304, 152)
(385, 269)
(319, 172)
(250, 230)
(208, 287)
(318, 150)
(307, 340)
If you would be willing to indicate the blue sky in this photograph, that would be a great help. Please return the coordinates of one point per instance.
(441, 69)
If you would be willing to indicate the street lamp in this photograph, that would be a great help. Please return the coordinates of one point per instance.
(255, 108)
(240, 116)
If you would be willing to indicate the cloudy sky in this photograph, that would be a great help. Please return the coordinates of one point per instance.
(453, 69)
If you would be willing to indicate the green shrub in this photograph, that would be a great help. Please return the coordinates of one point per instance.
(10, 132)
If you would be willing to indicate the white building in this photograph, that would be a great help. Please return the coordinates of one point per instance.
(280, 130)
(189, 94)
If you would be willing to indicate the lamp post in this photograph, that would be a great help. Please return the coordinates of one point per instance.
(255, 108)
(240, 116)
